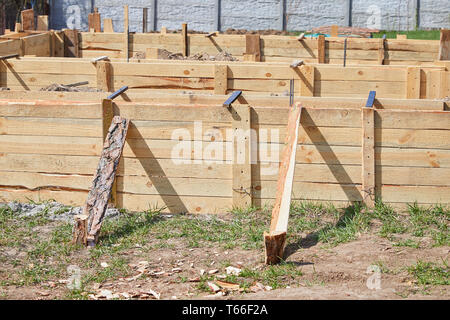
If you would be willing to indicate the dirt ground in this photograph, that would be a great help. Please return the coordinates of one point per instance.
(158, 259)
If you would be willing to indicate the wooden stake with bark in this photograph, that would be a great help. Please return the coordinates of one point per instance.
(87, 226)
(275, 240)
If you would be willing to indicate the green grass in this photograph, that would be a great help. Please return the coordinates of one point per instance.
(427, 273)
(48, 255)
(416, 34)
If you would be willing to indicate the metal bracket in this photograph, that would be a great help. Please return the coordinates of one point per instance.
(232, 98)
(117, 93)
(9, 56)
(95, 60)
(371, 99)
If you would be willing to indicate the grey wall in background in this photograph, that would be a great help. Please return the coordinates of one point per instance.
(293, 15)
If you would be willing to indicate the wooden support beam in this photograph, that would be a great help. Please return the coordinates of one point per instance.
(99, 195)
(368, 153)
(381, 51)
(413, 83)
(18, 27)
(108, 25)
(57, 43)
(253, 47)
(242, 169)
(126, 32)
(42, 23)
(321, 49)
(95, 21)
(71, 43)
(275, 239)
(27, 17)
(220, 79)
(444, 46)
(104, 77)
(334, 31)
(307, 81)
(163, 30)
(144, 20)
(184, 39)
(437, 84)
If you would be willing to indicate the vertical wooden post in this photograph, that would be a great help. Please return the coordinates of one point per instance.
(381, 51)
(368, 155)
(95, 21)
(402, 37)
(104, 79)
(307, 81)
(108, 25)
(27, 20)
(413, 83)
(107, 116)
(444, 46)
(184, 39)
(126, 29)
(163, 30)
(220, 79)
(321, 49)
(71, 43)
(334, 31)
(252, 47)
(42, 23)
(2, 19)
(57, 40)
(144, 20)
(242, 170)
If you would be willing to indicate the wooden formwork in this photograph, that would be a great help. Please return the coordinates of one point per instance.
(38, 43)
(221, 78)
(271, 48)
(49, 150)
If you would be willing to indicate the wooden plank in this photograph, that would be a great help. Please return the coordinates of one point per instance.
(321, 49)
(381, 51)
(307, 76)
(126, 34)
(184, 40)
(57, 40)
(413, 83)
(220, 79)
(95, 21)
(253, 46)
(334, 31)
(444, 45)
(42, 23)
(71, 43)
(275, 239)
(27, 18)
(50, 127)
(104, 76)
(108, 25)
(242, 170)
(368, 155)
(402, 37)
(101, 190)
(38, 45)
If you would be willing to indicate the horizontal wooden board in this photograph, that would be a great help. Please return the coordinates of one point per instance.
(50, 109)
(51, 127)
(175, 204)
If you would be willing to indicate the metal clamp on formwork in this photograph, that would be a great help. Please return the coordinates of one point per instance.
(114, 95)
(296, 63)
(371, 99)
(301, 37)
(345, 51)
(232, 98)
(77, 84)
(211, 34)
(95, 60)
(9, 56)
